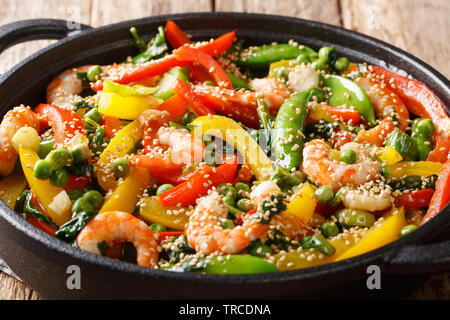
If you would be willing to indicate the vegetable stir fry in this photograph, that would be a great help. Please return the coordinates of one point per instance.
(216, 157)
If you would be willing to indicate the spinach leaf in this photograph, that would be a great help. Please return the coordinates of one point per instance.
(83, 168)
(24, 205)
(155, 48)
(82, 105)
(69, 230)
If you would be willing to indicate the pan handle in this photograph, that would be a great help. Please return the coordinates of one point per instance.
(427, 258)
(34, 29)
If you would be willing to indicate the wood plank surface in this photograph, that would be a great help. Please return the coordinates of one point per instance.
(418, 26)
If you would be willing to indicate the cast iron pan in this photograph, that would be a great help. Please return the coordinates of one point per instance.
(42, 261)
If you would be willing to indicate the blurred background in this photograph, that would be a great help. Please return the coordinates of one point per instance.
(421, 27)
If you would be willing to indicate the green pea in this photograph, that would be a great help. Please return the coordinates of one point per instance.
(75, 194)
(319, 64)
(188, 117)
(94, 72)
(337, 198)
(259, 249)
(244, 204)
(348, 156)
(324, 194)
(228, 200)
(426, 128)
(227, 189)
(42, 169)
(325, 53)
(242, 189)
(94, 115)
(407, 230)
(156, 227)
(295, 178)
(163, 188)
(302, 58)
(59, 177)
(354, 218)
(81, 204)
(45, 146)
(329, 229)
(120, 167)
(341, 64)
(228, 224)
(95, 198)
(209, 83)
(59, 158)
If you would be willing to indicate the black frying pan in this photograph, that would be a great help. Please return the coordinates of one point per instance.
(42, 261)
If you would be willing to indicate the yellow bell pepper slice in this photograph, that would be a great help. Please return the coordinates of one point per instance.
(127, 194)
(152, 211)
(303, 203)
(390, 156)
(230, 131)
(380, 234)
(317, 113)
(43, 189)
(126, 102)
(11, 187)
(122, 143)
(305, 259)
(410, 168)
(280, 64)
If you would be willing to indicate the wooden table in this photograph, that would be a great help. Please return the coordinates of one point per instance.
(421, 27)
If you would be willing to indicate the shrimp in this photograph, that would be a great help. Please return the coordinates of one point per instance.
(367, 199)
(273, 90)
(15, 119)
(263, 190)
(206, 235)
(118, 226)
(326, 171)
(387, 106)
(65, 87)
(167, 147)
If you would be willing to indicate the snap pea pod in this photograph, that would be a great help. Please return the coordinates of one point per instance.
(288, 136)
(422, 129)
(237, 82)
(404, 144)
(346, 92)
(266, 124)
(262, 57)
(235, 264)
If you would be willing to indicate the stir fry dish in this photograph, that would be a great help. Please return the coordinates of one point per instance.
(219, 157)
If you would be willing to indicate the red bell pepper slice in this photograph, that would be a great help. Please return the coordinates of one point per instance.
(414, 200)
(175, 35)
(242, 105)
(419, 99)
(112, 125)
(441, 151)
(206, 61)
(65, 123)
(173, 176)
(346, 114)
(188, 192)
(175, 106)
(126, 73)
(199, 74)
(76, 182)
(42, 225)
(185, 91)
(161, 235)
(442, 194)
